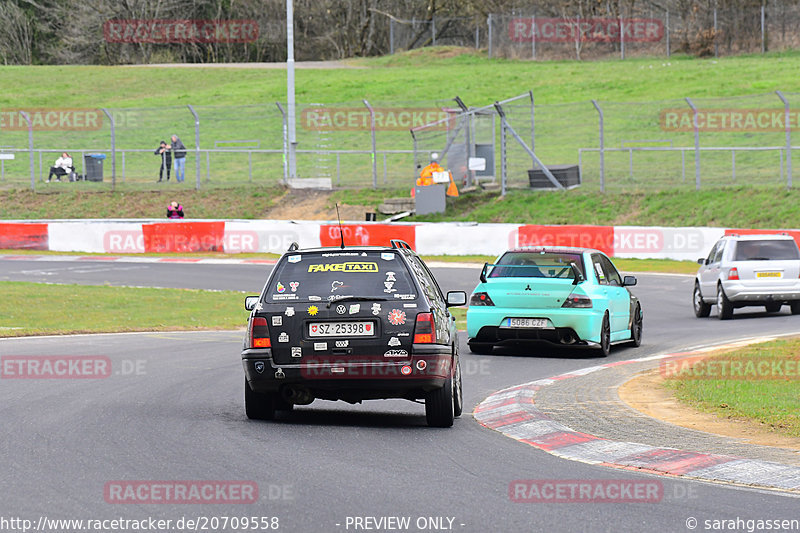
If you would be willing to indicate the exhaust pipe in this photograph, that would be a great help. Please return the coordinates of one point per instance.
(297, 395)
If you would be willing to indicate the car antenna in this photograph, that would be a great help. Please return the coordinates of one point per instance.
(341, 233)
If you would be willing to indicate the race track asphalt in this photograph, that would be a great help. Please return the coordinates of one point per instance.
(171, 409)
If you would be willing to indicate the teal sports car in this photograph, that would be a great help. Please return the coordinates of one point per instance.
(566, 296)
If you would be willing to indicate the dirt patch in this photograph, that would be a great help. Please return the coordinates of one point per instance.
(646, 392)
(309, 204)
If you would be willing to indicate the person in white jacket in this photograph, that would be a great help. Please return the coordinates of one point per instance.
(62, 167)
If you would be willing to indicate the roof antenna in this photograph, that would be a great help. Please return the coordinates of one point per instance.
(341, 232)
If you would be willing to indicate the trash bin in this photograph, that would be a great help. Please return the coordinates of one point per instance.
(93, 164)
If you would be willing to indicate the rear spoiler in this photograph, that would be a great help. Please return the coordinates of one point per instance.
(577, 275)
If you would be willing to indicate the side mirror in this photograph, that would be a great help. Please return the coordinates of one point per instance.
(701, 261)
(629, 281)
(483, 272)
(455, 298)
(250, 302)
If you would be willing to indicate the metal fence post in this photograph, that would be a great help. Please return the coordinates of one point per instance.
(669, 51)
(788, 129)
(285, 144)
(533, 36)
(534, 158)
(433, 30)
(467, 137)
(196, 146)
(716, 46)
(696, 145)
(489, 35)
(27, 118)
(602, 147)
(113, 148)
(391, 36)
(503, 158)
(621, 36)
(763, 32)
(374, 145)
(533, 123)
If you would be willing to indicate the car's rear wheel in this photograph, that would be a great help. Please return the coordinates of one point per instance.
(636, 326)
(605, 337)
(773, 307)
(458, 399)
(795, 307)
(440, 406)
(258, 406)
(481, 348)
(724, 306)
(701, 308)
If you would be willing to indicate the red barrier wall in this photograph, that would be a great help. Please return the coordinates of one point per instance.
(27, 236)
(184, 237)
(366, 234)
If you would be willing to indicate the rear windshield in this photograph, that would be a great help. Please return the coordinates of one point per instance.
(329, 276)
(766, 250)
(536, 265)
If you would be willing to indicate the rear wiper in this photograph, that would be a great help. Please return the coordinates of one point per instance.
(355, 299)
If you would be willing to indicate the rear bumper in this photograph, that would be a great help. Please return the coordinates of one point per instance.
(354, 379)
(486, 323)
(748, 293)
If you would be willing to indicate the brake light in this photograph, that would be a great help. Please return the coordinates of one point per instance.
(733, 274)
(259, 333)
(577, 302)
(425, 329)
(480, 298)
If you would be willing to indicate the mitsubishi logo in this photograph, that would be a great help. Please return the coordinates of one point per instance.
(528, 288)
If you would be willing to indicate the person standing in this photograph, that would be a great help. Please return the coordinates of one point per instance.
(179, 153)
(164, 150)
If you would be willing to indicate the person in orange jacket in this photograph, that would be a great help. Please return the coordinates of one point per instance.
(426, 176)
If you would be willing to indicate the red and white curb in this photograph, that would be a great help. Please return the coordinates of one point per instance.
(512, 412)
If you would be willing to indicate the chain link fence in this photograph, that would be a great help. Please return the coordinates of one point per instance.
(622, 29)
(694, 143)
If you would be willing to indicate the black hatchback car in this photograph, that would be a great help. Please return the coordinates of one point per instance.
(352, 324)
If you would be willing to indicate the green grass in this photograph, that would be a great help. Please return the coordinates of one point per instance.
(410, 76)
(45, 309)
(772, 402)
(767, 208)
(153, 103)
